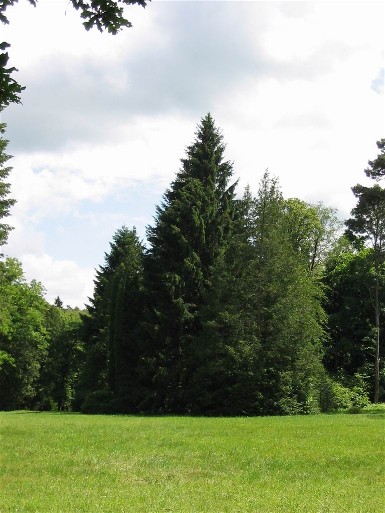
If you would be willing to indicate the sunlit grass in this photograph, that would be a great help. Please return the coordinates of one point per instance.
(63, 463)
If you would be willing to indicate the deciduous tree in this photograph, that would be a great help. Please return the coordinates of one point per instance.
(367, 226)
(23, 337)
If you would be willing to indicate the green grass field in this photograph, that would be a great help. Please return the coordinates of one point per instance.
(70, 463)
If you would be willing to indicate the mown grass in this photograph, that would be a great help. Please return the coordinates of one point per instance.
(69, 463)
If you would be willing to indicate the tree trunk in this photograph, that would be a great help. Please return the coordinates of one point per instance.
(377, 357)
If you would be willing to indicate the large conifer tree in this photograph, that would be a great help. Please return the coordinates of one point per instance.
(192, 226)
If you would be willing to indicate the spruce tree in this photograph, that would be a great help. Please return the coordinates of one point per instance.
(111, 322)
(192, 225)
(125, 317)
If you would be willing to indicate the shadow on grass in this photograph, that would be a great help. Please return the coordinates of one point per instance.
(51, 412)
(375, 411)
(376, 416)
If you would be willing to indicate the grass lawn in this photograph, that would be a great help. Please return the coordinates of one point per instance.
(70, 463)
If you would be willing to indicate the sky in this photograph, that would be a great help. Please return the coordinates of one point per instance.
(296, 88)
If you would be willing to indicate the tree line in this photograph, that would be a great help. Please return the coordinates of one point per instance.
(251, 305)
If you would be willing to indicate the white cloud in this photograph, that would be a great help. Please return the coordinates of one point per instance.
(64, 278)
(295, 86)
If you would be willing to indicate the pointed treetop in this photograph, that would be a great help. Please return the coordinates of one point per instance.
(58, 302)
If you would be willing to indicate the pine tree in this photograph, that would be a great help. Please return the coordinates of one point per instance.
(376, 168)
(192, 225)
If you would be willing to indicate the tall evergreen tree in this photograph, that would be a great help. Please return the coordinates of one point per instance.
(126, 312)
(290, 320)
(110, 322)
(261, 342)
(192, 225)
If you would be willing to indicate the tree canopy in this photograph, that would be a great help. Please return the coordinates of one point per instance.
(376, 168)
(103, 14)
(233, 306)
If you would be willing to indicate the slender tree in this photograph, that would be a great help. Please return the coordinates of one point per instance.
(288, 298)
(367, 226)
(126, 311)
(110, 323)
(5, 202)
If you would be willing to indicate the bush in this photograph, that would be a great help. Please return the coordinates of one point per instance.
(335, 396)
(99, 401)
(359, 399)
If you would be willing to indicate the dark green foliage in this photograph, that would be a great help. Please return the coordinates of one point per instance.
(192, 226)
(126, 311)
(261, 344)
(99, 401)
(105, 14)
(112, 324)
(10, 89)
(65, 355)
(349, 285)
(350, 281)
(5, 202)
(376, 167)
(222, 314)
(367, 225)
(225, 317)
